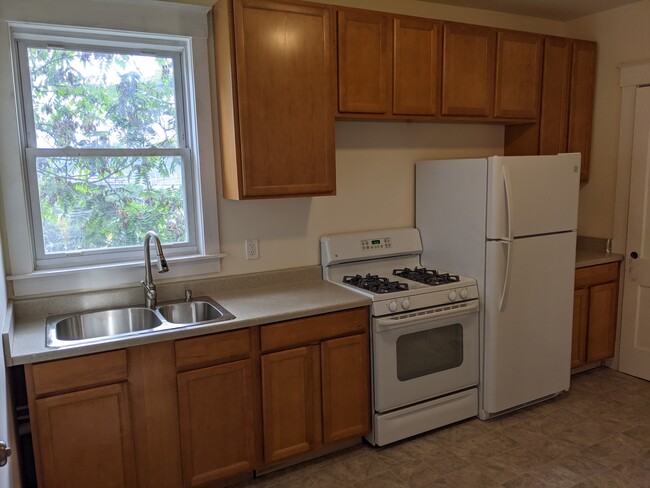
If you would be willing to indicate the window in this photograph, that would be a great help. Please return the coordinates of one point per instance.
(110, 148)
(106, 153)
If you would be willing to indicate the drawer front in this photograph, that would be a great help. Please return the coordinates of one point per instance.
(212, 349)
(313, 329)
(595, 275)
(80, 372)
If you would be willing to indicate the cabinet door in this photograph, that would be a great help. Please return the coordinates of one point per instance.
(416, 66)
(601, 336)
(518, 75)
(345, 387)
(85, 439)
(581, 105)
(285, 99)
(580, 323)
(288, 403)
(216, 422)
(554, 116)
(364, 61)
(468, 70)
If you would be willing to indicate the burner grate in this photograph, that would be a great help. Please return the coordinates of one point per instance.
(375, 283)
(426, 276)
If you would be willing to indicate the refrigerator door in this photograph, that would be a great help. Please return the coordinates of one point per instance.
(532, 195)
(528, 320)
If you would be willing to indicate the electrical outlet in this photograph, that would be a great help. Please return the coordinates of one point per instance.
(252, 251)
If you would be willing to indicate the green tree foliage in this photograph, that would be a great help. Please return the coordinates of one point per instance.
(105, 101)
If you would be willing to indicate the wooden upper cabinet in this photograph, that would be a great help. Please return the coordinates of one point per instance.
(364, 61)
(276, 98)
(581, 102)
(468, 70)
(554, 116)
(518, 75)
(416, 66)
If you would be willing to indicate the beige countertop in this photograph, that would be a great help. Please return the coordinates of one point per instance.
(24, 339)
(586, 258)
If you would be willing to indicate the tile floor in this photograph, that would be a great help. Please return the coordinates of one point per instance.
(596, 435)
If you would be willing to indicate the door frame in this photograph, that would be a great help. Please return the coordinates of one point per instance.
(632, 75)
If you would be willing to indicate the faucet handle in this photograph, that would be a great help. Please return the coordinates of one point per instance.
(188, 295)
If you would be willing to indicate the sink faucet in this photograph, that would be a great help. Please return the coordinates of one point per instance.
(150, 293)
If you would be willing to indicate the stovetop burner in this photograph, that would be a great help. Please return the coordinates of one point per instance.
(375, 283)
(426, 276)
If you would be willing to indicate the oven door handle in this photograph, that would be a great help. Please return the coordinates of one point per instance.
(419, 316)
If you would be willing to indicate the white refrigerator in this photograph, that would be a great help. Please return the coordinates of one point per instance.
(510, 222)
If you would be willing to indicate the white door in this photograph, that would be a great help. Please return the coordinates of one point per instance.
(528, 320)
(9, 472)
(9, 476)
(635, 327)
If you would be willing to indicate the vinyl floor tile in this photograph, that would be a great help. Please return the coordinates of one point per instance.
(594, 436)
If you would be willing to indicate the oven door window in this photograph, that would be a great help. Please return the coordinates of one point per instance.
(429, 351)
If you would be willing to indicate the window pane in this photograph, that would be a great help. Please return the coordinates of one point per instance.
(109, 202)
(86, 99)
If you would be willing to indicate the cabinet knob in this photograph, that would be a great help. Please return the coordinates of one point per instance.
(5, 452)
(634, 254)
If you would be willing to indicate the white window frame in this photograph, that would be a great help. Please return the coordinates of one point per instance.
(34, 273)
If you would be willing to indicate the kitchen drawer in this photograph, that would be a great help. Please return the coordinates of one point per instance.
(212, 349)
(313, 329)
(80, 372)
(594, 275)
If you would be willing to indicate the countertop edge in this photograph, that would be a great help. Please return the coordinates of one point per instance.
(254, 307)
(585, 259)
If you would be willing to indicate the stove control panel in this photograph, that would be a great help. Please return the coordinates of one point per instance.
(381, 243)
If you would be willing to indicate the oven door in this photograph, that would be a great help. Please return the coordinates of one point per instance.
(424, 354)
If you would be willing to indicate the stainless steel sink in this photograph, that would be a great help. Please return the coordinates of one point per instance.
(195, 312)
(104, 325)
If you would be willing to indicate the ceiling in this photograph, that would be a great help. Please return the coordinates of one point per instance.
(548, 9)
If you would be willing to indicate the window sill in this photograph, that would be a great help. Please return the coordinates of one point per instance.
(112, 275)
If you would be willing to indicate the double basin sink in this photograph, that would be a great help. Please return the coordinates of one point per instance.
(104, 325)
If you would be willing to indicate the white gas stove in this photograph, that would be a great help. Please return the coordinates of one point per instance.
(424, 331)
(385, 265)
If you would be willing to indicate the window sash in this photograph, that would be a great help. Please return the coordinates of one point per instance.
(118, 254)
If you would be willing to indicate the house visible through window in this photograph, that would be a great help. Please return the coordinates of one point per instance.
(106, 151)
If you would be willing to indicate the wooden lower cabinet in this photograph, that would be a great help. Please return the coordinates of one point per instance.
(193, 412)
(288, 403)
(216, 422)
(345, 387)
(85, 439)
(595, 306)
(317, 393)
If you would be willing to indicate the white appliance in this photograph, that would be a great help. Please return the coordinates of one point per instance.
(424, 331)
(511, 223)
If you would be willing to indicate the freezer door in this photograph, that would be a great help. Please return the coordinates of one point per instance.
(532, 195)
(528, 319)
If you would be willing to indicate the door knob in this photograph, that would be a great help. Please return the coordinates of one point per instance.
(634, 254)
(5, 452)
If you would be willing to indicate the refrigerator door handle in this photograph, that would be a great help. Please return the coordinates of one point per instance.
(508, 189)
(504, 292)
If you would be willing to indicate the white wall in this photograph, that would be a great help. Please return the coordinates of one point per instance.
(623, 34)
(372, 157)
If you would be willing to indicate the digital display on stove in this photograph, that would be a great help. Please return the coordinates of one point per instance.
(368, 244)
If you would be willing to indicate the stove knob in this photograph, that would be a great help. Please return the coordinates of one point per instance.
(392, 306)
(463, 293)
(406, 304)
(452, 296)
